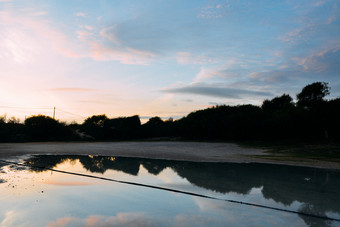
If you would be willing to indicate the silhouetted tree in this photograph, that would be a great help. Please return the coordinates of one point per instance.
(223, 122)
(96, 120)
(277, 103)
(331, 118)
(123, 127)
(102, 128)
(279, 117)
(44, 128)
(313, 118)
(154, 127)
(94, 126)
(3, 119)
(312, 122)
(312, 94)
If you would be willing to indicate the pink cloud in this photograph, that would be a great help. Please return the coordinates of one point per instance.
(332, 19)
(83, 34)
(102, 52)
(320, 61)
(88, 27)
(92, 221)
(109, 34)
(293, 35)
(27, 35)
(61, 222)
(121, 219)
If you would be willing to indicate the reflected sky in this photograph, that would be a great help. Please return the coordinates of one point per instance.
(37, 197)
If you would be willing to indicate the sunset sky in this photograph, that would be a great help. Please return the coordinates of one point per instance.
(161, 58)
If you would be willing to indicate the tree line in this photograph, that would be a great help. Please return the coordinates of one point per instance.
(310, 118)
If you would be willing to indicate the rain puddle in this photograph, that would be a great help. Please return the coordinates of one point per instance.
(114, 191)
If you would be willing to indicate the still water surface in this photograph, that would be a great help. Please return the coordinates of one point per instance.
(37, 197)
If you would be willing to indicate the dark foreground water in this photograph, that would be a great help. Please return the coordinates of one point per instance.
(38, 197)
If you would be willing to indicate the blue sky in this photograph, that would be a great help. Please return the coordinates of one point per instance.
(164, 58)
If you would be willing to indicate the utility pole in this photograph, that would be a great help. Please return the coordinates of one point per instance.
(54, 113)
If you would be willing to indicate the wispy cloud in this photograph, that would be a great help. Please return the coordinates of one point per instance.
(33, 12)
(102, 52)
(323, 61)
(81, 14)
(88, 27)
(295, 35)
(25, 38)
(223, 71)
(66, 89)
(186, 58)
(83, 35)
(217, 10)
(105, 46)
(109, 33)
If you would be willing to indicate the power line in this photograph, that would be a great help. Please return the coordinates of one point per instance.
(179, 191)
(43, 108)
(70, 113)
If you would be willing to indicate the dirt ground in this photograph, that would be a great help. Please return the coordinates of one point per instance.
(188, 151)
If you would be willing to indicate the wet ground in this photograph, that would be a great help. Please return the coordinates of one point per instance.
(193, 151)
(88, 190)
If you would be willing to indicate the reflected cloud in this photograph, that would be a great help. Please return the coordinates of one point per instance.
(236, 215)
(199, 220)
(9, 219)
(75, 183)
(282, 184)
(121, 219)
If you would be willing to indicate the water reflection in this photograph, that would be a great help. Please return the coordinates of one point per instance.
(317, 189)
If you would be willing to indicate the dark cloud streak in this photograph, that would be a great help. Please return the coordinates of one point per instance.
(217, 91)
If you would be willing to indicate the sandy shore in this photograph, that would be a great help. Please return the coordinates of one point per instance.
(188, 151)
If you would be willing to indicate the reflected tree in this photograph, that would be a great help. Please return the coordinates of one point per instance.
(311, 221)
(154, 167)
(317, 190)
